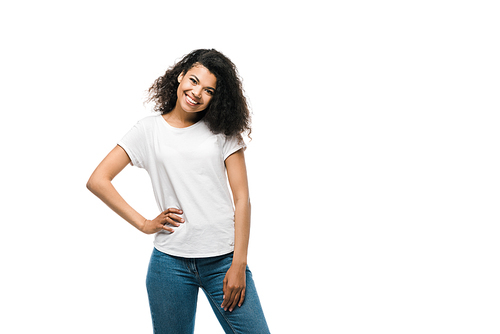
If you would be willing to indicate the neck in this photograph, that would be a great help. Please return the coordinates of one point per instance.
(179, 118)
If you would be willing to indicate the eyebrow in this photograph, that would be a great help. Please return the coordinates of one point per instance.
(199, 81)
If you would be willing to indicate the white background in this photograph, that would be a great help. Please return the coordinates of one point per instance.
(374, 165)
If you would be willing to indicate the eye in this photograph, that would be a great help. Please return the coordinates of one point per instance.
(209, 92)
(193, 81)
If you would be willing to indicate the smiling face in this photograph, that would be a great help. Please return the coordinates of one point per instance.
(196, 89)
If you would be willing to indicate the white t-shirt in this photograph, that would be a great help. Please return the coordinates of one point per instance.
(187, 170)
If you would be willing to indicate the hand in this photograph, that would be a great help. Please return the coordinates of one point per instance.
(234, 287)
(160, 223)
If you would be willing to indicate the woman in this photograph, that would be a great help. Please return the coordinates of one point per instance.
(190, 151)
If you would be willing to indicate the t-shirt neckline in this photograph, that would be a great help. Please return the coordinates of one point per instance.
(167, 124)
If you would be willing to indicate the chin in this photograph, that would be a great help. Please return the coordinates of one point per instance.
(193, 111)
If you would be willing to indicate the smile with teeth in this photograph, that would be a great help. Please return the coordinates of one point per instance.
(191, 101)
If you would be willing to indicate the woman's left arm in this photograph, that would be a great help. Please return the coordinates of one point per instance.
(235, 280)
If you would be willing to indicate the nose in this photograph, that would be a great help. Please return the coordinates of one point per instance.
(197, 92)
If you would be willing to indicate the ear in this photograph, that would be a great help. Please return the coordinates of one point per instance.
(180, 77)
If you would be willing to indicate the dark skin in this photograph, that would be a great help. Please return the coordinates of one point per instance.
(194, 94)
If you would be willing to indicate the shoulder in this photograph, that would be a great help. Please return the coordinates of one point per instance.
(147, 124)
(141, 128)
(149, 120)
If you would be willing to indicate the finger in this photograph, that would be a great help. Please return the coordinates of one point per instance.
(176, 218)
(173, 220)
(242, 298)
(167, 228)
(231, 298)
(234, 301)
(225, 297)
(228, 301)
(173, 210)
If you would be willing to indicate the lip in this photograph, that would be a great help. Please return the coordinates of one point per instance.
(191, 101)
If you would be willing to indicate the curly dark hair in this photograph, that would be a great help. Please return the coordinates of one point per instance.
(228, 112)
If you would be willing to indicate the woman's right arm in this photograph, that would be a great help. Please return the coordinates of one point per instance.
(100, 185)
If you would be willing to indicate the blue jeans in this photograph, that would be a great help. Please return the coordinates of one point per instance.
(173, 284)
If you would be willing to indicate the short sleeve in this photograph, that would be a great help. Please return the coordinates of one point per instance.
(134, 143)
(231, 145)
